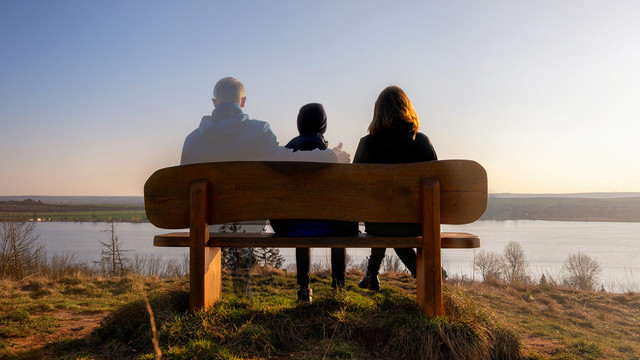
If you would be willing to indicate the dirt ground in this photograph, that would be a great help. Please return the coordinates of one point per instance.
(72, 326)
(545, 347)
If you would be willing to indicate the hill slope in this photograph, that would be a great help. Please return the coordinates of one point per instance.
(529, 322)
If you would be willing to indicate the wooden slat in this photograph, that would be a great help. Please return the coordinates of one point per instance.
(449, 240)
(285, 190)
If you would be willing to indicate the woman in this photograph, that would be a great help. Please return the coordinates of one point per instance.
(393, 138)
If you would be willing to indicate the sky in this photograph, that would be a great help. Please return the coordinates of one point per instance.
(96, 95)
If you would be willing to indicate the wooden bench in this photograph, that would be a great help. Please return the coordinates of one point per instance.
(430, 193)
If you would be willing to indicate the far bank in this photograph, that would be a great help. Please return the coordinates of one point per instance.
(552, 207)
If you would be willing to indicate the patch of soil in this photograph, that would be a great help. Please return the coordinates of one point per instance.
(72, 326)
(545, 347)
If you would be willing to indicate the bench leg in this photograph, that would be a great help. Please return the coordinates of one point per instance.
(429, 265)
(205, 263)
(206, 285)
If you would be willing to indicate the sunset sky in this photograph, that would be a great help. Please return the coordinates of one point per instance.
(96, 95)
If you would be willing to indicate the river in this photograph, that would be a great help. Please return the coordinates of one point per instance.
(546, 244)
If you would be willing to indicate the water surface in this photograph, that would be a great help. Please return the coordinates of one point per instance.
(546, 244)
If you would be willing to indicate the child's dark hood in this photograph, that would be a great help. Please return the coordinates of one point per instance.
(312, 119)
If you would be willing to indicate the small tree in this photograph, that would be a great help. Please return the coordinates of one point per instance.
(581, 271)
(113, 260)
(490, 265)
(239, 261)
(21, 253)
(269, 258)
(543, 281)
(516, 266)
(236, 258)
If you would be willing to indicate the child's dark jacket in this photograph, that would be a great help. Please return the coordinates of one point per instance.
(305, 227)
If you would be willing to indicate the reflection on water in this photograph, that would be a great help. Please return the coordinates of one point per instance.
(546, 244)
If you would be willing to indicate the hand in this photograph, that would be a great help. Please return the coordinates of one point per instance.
(343, 156)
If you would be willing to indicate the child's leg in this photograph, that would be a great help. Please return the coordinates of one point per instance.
(302, 266)
(375, 260)
(370, 280)
(338, 258)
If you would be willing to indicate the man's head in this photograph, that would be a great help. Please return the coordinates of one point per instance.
(229, 90)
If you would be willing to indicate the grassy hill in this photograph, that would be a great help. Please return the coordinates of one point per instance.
(104, 318)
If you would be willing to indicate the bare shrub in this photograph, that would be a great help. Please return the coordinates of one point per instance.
(322, 266)
(348, 261)
(551, 277)
(581, 271)
(516, 266)
(186, 264)
(543, 281)
(145, 265)
(137, 264)
(172, 268)
(21, 254)
(113, 259)
(290, 268)
(158, 267)
(392, 264)
(64, 265)
(489, 264)
(362, 266)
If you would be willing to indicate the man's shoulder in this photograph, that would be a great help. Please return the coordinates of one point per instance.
(256, 123)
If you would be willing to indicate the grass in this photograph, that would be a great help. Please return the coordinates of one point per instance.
(562, 323)
(38, 308)
(482, 321)
(30, 209)
(134, 215)
(353, 324)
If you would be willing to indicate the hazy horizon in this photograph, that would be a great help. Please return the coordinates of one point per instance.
(114, 199)
(97, 96)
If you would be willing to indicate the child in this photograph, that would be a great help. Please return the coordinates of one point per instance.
(312, 123)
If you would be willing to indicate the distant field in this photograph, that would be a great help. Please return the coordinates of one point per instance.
(32, 209)
(583, 207)
(564, 209)
(79, 200)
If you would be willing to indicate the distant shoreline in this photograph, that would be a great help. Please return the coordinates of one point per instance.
(625, 209)
(588, 195)
(601, 207)
(139, 200)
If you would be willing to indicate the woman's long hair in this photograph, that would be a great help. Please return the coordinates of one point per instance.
(393, 110)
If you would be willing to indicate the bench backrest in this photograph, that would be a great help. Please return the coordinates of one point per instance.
(248, 190)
